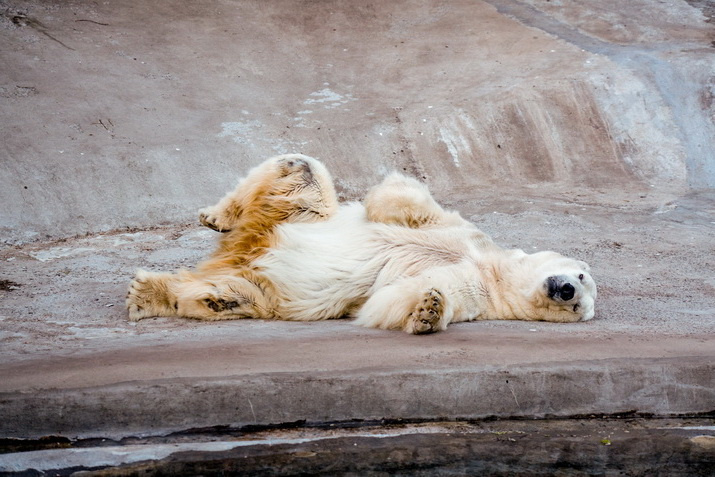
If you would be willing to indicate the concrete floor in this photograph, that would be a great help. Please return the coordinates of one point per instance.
(570, 126)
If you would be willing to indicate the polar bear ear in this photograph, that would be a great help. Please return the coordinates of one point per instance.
(584, 266)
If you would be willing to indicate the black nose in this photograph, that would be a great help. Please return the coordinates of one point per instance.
(567, 291)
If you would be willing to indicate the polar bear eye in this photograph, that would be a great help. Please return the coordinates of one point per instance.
(580, 277)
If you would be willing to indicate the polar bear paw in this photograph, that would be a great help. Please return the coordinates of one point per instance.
(213, 220)
(235, 306)
(427, 313)
(147, 296)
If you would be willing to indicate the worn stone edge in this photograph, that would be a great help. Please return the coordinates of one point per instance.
(662, 386)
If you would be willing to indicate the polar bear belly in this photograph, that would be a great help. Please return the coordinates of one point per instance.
(323, 270)
(327, 269)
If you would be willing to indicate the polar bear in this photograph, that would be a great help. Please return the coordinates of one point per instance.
(397, 261)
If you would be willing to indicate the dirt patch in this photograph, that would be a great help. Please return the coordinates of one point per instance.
(8, 285)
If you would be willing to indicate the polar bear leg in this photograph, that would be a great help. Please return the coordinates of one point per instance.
(291, 187)
(220, 297)
(409, 305)
(402, 200)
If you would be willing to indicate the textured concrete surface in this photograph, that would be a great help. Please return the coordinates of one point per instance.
(577, 127)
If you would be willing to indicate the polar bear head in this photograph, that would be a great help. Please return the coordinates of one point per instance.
(558, 288)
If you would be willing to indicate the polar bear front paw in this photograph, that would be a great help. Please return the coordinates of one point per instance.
(211, 219)
(427, 313)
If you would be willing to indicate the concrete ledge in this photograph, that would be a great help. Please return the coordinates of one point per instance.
(657, 386)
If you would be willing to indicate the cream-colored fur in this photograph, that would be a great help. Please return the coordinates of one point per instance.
(399, 261)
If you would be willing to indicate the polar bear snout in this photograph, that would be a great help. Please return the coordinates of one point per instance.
(573, 293)
(567, 291)
(560, 288)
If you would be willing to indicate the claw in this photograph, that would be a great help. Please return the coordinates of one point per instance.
(210, 222)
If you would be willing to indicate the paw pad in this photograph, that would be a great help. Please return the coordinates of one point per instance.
(219, 304)
(428, 311)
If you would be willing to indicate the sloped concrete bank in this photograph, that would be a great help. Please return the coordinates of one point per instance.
(678, 76)
(110, 122)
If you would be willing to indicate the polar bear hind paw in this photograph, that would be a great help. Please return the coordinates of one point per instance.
(426, 316)
(148, 296)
